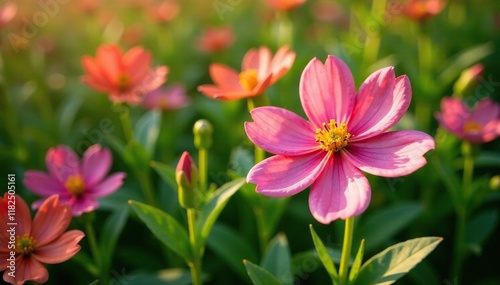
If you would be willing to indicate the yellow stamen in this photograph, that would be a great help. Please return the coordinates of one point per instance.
(332, 137)
(471, 127)
(124, 81)
(75, 185)
(248, 79)
(25, 245)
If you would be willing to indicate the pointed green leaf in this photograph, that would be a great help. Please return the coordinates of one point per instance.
(259, 275)
(358, 260)
(395, 261)
(277, 259)
(165, 228)
(479, 228)
(166, 172)
(384, 224)
(231, 247)
(212, 209)
(147, 130)
(324, 256)
(111, 231)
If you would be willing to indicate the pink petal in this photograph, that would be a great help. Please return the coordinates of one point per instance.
(216, 92)
(42, 184)
(280, 131)
(61, 249)
(107, 186)
(62, 162)
(50, 221)
(453, 116)
(327, 91)
(96, 162)
(27, 269)
(152, 80)
(381, 102)
(485, 111)
(341, 191)
(83, 205)
(259, 60)
(281, 63)
(391, 154)
(137, 62)
(225, 77)
(281, 176)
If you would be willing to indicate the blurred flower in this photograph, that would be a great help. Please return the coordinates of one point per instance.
(42, 240)
(132, 35)
(89, 6)
(329, 12)
(345, 135)
(7, 13)
(78, 184)
(126, 77)
(260, 70)
(477, 125)
(284, 4)
(468, 80)
(164, 12)
(420, 10)
(186, 175)
(216, 39)
(169, 98)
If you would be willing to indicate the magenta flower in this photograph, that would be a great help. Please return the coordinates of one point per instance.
(479, 125)
(345, 135)
(168, 98)
(78, 184)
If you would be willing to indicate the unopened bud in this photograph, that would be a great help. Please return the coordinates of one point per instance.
(468, 80)
(203, 131)
(186, 176)
(495, 183)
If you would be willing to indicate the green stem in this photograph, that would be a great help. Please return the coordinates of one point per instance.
(126, 123)
(147, 187)
(94, 248)
(195, 265)
(203, 163)
(261, 220)
(468, 169)
(458, 249)
(346, 250)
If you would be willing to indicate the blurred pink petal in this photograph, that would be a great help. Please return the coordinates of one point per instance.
(215, 40)
(96, 162)
(27, 269)
(50, 221)
(7, 13)
(42, 183)
(107, 186)
(61, 249)
(284, 4)
(170, 98)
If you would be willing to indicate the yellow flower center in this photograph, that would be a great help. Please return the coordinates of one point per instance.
(332, 137)
(471, 127)
(25, 245)
(123, 82)
(75, 185)
(248, 79)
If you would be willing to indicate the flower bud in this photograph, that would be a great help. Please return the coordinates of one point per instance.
(203, 131)
(186, 175)
(468, 80)
(495, 183)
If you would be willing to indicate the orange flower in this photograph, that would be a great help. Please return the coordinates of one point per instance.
(25, 244)
(260, 70)
(285, 4)
(164, 12)
(126, 77)
(420, 10)
(7, 12)
(216, 39)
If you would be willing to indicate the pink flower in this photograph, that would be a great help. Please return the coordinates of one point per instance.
(37, 242)
(164, 12)
(169, 98)
(186, 176)
(78, 184)
(345, 135)
(420, 10)
(260, 70)
(126, 77)
(479, 125)
(7, 13)
(216, 39)
(285, 4)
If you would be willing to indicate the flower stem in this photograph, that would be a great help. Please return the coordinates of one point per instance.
(346, 250)
(94, 248)
(195, 265)
(126, 124)
(203, 163)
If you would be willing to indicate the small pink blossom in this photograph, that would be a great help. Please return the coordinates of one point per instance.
(78, 183)
(347, 133)
(42, 240)
(284, 4)
(7, 13)
(169, 98)
(480, 124)
(215, 40)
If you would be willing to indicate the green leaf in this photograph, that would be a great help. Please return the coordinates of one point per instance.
(358, 260)
(324, 256)
(115, 143)
(147, 130)
(136, 156)
(480, 228)
(86, 262)
(231, 247)
(212, 209)
(487, 159)
(111, 231)
(165, 228)
(391, 264)
(171, 276)
(277, 259)
(241, 161)
(259, 275)
(384, 224)
(166, 172)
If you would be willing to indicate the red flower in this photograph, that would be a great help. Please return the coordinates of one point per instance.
(420, 10)
(215, 39)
